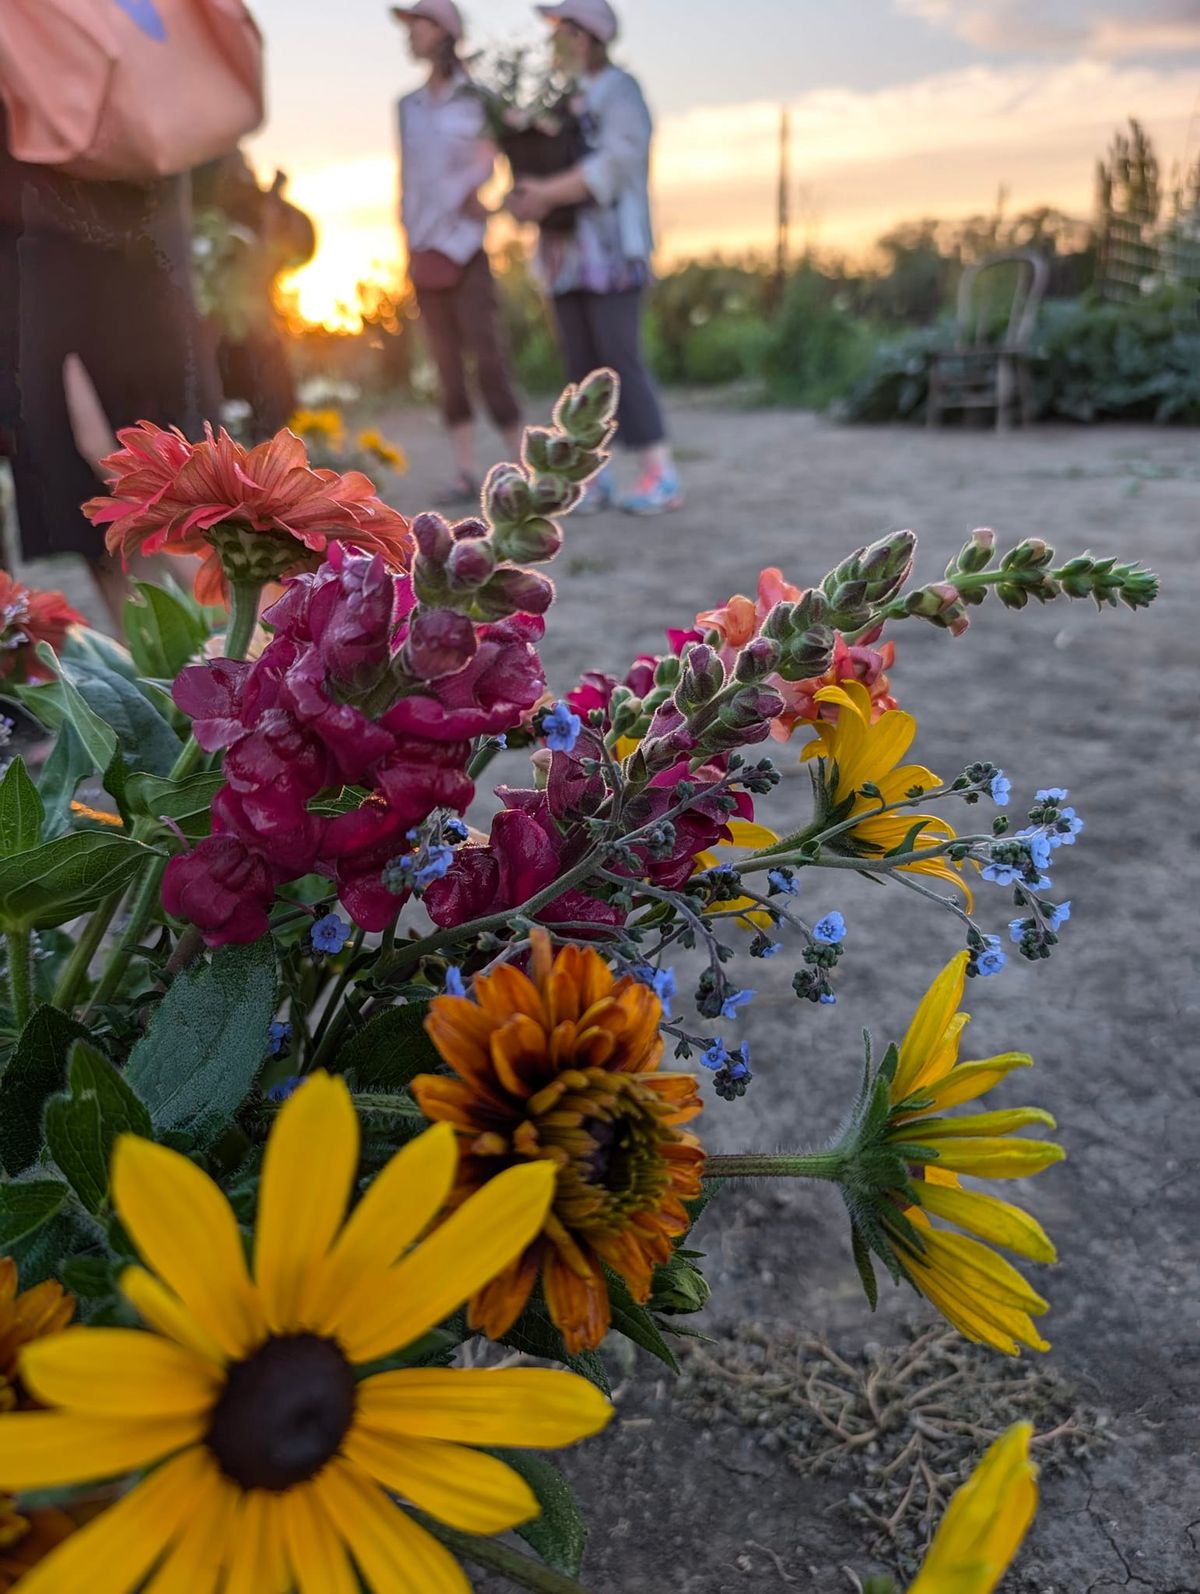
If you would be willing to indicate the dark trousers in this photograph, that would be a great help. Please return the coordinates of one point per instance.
(606, 329)
(461, 321)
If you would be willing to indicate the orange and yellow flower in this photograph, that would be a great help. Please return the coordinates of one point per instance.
(857, 751)
(391, 454)
(323, 426)
(272, 1455)
(561, 1066)
(985, 1522)
(29, 616)
(981, 1294)
(170, 496)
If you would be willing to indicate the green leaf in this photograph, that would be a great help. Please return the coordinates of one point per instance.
(89, 1276)
(63, 770)
(58, 701)
(635, 1322)
(36, 1069)
(866, 1268)
(207, 1041)
(909, 841)
(535, 1334)
(25, 1207)
(188, 802)
(82, 1127)
(21, 811)
(65, 877)
(390, 1050)
(164, 633)
(87, 647)
(559, 1534)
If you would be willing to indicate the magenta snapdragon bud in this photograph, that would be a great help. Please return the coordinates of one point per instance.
(432, 537)
(439, 642)
(351, 619)
(421, 776)
(702, 677)
(279, 753)
(506, 494)
(513, 591)
(224, 887)
(469, 565)
(757, 659)
(211, 695)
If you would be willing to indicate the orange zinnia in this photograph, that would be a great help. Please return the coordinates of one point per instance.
(564, 1066)
(168, 495)
(28, 617)
(26, 1537)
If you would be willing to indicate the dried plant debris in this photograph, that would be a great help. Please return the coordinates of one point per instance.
(902, 1424)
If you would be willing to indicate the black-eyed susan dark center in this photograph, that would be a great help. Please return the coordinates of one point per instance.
(283, 1412)
(613, 1138)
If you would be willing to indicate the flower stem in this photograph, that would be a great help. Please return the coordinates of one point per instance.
(496, 1557)
(771, 1165)
(243, 615)
(74, 971)
(20, 975)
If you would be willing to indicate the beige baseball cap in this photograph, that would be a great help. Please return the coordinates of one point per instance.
(444, 12)
(596, 17)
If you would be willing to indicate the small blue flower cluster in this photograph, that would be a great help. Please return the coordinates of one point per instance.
(660, 981)
(454, 981)
(731, 1070)
(415, 870)
(987, 955)
(561, 727)
(279, 1038)
(329, 934)
(1023, 862)
(285, 1088)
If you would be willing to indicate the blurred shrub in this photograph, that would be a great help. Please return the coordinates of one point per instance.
(1093, 361)
(816, 349)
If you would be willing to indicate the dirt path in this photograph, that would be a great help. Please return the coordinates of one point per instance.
(1104, 705)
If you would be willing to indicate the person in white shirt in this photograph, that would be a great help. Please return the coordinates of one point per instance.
(446, 155)
(597, 274)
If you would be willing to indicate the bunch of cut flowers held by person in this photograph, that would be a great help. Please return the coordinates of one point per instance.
(332, 1084)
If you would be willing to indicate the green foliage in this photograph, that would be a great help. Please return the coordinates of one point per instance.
(24, 1208)
(37, 1068)
(63, 878)
(21, 811)
(1092, 362)
(82, 1126)
(558, 1534)
(196, 1063)
(165, 629)
(390, 1050)
(817, 347)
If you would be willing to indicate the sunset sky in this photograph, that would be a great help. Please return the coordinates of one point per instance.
(899, 108)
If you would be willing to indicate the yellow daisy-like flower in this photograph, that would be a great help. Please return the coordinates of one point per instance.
(373, 442)
(985, 1521)
(324, 426)
(26, 1315)
(984, 1296)
(274, 1454)
(854, 752)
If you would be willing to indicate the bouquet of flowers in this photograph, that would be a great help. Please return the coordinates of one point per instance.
(529, 112)
(326, 1086)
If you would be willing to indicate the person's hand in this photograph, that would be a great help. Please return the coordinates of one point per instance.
(527, 201)
(474, 209)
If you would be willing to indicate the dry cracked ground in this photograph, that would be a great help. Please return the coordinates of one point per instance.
(742, 1475)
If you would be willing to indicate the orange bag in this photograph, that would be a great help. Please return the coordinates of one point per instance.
(128, 90)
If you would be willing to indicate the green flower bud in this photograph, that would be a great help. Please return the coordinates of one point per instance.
(976, 554)
(701, 677)
(532, 541)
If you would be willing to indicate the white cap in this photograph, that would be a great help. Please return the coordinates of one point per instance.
(444, 12)
(596, 17)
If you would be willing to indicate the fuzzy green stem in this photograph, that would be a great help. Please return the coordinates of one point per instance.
(20, 975)
(243, 615)
(496, 1557)
(74, 971)
(771, 1165)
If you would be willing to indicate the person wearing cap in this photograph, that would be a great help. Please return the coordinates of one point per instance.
(597, 275)
(445, 156)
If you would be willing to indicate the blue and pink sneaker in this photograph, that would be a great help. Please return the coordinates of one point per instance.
(599, 494)
(657, 493)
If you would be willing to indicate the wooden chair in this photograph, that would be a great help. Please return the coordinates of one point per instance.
(984, 372)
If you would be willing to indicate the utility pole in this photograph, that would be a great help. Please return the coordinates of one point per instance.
(783, 221)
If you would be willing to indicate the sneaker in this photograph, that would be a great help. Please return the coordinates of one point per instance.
(599, 494)
(459, 493)
(656, 493)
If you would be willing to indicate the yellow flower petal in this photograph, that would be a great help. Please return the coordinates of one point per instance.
(119, 1372)
(745, 833)
(199, 1554)
(998, 1222)
(461, 1487)
(985, 1521)
(519, 1406)
(45, 1449)
(315, 1549)
(113, 1553)
(929, 1023)
(967, 1081)
(164, 1311)
(308, 1171)
(185, 1230)
(1001, 1122)
(476, 1242)
(1001, 1158)
(257, 1560)
(401, 1200)
(393, 1553)
(978, 1319)
(979, 1270)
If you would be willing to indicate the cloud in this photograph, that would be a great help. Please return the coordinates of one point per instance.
(1128, 27)
(937, 147)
